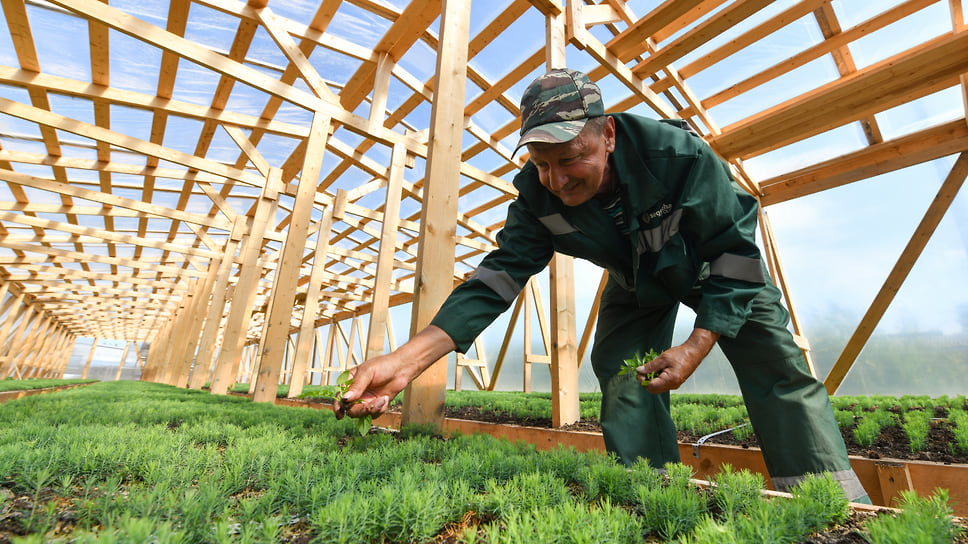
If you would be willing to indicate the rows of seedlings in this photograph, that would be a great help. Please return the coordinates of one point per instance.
(909, 425)
(10, 384)
(139, 462)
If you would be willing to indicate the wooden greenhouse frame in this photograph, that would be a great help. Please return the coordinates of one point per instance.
(196, 175)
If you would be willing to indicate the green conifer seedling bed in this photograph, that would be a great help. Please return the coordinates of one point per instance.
(139, 462)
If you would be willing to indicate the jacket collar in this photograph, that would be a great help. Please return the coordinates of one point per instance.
(641, 190)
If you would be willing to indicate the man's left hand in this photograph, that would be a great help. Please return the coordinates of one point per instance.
(676, 364)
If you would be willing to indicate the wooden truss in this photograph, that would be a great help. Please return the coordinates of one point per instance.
(221, 179)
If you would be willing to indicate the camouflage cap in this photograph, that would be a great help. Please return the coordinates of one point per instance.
(556, 105)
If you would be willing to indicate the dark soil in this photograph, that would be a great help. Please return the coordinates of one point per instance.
(892, 443)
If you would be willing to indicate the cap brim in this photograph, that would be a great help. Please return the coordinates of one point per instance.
(552, 133)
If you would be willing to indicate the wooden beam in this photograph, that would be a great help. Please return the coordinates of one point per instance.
(926, 145)
(930, 67)
(240, 312)
(279, 317)
(424, 397)
(380, 307)
(628, 44)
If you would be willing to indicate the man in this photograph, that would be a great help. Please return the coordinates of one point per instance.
(651, 203)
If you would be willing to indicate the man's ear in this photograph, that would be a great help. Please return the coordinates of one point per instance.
(608, 131)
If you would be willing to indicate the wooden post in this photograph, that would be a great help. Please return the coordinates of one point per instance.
(28, 350)
(66, 355)
(196, 322)
(28, 360)
(176, 347)
(17, 310)
(287, 273)
(90, 357)
(380, 307)
(424, 398)
(564, 343)
(7, 361)
(124, 355)
(240, 312)
(306, 335)
(202, 370)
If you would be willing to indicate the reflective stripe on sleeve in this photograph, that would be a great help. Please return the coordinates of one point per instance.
(737, 267)
(847, 480)
(654, 239)
(556, 224)
(499, 281)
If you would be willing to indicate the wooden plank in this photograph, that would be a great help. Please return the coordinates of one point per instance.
(194, 328)
(53, 120)
(893, 478)
(932, 217)
(380, 307)
(424, 397)
(133, 99)
(17, 311)
(628, 44)
(564, 343)
(592, 317)
(304, 343)
(27, 322)
(279, 315)
(922, 146)
(699, 35)
(582, 39)
(779, 278)
(396, 41)
(103, 234)
(276, 28)
(930, 67)
(240, 311)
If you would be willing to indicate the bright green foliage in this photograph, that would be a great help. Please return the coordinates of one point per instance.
(926, 520)
(916, 425)
(140, 462)
(568, 522)
(959, 421)
(629, 365)
(522, 493)
(818, 502)
(823, 501)
(344, 381)
(845, 418)
(673, 509)
(869, 427)
(10, 384)
(736, 492)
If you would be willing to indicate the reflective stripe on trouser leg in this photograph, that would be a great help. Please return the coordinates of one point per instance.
(790, 409)
(846, 478)
(635, 423)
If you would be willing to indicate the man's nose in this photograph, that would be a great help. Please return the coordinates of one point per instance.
(557, 178)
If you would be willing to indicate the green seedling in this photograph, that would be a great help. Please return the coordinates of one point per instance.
(631, 364)
(343, 382)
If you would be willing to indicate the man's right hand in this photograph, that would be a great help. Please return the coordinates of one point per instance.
(375, 382)
(378, 380)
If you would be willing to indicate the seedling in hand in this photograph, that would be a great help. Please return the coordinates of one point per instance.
(344, 381)
(637, 361)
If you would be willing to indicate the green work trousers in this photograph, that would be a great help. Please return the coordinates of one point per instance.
(790, 410)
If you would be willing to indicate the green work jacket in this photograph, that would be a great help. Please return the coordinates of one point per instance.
(691, 226)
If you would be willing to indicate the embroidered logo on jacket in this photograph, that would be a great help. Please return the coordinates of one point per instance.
(663, 211)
